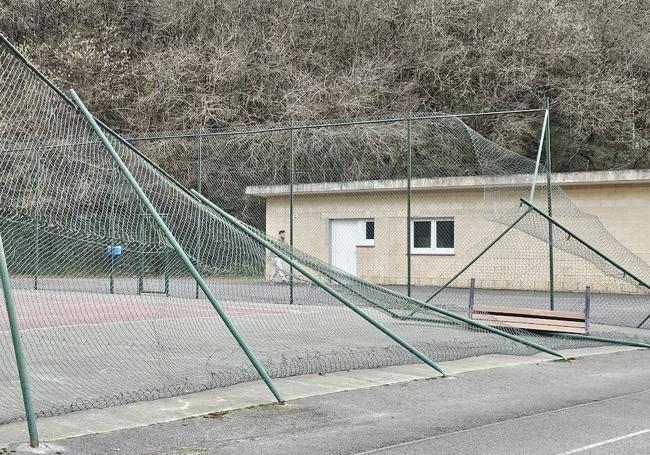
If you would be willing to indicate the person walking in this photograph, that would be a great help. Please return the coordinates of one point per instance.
(279, 272)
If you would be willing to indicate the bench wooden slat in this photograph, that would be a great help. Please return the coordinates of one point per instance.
(525, 320)
(530, 311)
(547, 328)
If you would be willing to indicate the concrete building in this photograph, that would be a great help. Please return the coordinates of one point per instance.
(361, 227)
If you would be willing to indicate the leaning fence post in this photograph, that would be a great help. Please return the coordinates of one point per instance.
(18, 349)
(318, 282)
(477, 257)
(177, 247)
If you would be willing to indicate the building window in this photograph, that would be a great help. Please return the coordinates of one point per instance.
(370, 230)
(366, 232)
(432, 236)
(421, 234)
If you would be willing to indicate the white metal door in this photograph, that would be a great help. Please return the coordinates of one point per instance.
(344, 238)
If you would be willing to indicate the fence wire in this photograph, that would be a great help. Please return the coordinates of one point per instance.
(110, 315)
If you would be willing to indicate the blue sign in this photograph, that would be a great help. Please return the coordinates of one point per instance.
(114, 250)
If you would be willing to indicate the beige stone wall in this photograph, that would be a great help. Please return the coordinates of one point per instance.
(518, 262)
(623, 210)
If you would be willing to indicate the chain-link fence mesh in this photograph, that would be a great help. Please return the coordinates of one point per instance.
(110, 314)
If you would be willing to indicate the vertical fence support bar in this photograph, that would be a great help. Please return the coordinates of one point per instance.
(199, 187)
(408, 205)
(549, 194)
(141, 254)
(111, 247)
(177, 247)
(37, 246)
(318, 282)
(18, 349)
(166, 270)
(291, 180)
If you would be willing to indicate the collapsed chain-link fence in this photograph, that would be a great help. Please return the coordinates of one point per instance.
(111, 314)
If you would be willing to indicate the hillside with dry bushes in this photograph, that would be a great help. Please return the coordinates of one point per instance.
(151, 65)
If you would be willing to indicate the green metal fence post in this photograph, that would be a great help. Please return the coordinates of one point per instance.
(291, 180)
(141, 253)
(643, 322)
(18, 349)
(549, 194)
(317, 281)
(460, 318)
(426, 306)
(111, 284)
(166, 270)
(408, 205)
(37, 246)
(591, 248)
(177, 247)
(477, 257)
(199, 185)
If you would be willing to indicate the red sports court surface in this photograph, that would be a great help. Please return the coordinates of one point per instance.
(48, 309)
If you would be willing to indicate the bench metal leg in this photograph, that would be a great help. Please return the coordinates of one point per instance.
(587, 309)
(472, 283)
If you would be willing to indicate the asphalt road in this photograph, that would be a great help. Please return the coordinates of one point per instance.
(594, 405)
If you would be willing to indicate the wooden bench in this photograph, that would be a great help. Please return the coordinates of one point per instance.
(532, 319)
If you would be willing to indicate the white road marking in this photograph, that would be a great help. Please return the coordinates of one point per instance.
(608, 441)
(494, 424)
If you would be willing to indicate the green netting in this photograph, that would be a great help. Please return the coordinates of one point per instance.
(110, 315)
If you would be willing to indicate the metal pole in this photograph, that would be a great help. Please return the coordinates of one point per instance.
(469, 264)
(166, 269)
(141, 254)
(591, 248)
(18, 349)
(408, 205)
(111, 285)
(37, 252)
(452, 315)
(472, 284)
(314, 279)
(435, 309)
(549, 195)
(291, 180)
(539, 155)
(199, 187)
(177, 247)
(643, 322)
